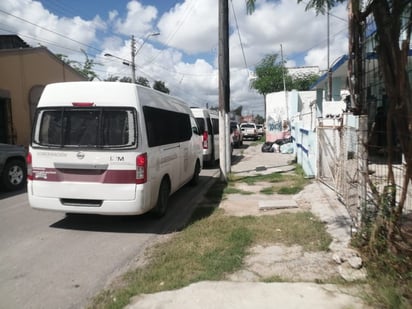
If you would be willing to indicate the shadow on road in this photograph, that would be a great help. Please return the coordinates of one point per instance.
(112, 224)
(181, 206)
(6, 194)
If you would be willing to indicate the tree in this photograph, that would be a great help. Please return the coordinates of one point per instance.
(393, 22)
(125, 79)
(112, 78)
(303, 82)
(85, 69)
(259, 119)
(270, 77)
(143, 81)
(160, 86)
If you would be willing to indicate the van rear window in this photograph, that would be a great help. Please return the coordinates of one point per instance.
(201, 124)
(86, 128)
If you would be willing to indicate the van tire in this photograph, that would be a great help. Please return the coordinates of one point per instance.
(162, 199)
(196, 175)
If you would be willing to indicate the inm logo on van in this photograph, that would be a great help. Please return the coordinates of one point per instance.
(80, 155)
(116, 158)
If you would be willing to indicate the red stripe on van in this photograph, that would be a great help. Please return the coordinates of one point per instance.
(82, 175)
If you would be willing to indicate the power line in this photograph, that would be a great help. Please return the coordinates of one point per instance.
(238, 32)
(51, 31)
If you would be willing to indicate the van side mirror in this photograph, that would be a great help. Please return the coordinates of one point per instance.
(196, 130)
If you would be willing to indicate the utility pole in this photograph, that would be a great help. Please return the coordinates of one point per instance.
(224, 91)
(284, 83)
(133, 43)
(328, 56)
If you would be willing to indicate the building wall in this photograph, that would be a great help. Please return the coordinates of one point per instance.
(23, 69)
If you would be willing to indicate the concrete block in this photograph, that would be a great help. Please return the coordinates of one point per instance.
(276, 204)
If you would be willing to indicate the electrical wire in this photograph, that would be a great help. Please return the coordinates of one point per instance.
(238, 32)
(51, 31)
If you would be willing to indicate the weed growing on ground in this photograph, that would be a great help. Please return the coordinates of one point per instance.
(210, 247)
(282, 183)
(213, 244)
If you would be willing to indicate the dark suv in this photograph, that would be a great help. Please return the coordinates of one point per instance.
(12, 167)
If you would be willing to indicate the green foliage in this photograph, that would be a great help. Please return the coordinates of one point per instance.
(211, 247)
(304, 81)
(259, 119)
(125, 79)
(273, 77)
(321, 6)
(143, 81)
(270, 75)
(85, 69)
(390, 278)
(112, 78)
(160, 86)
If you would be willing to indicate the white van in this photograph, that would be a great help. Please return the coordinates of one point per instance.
(208, 123)
(110, 148)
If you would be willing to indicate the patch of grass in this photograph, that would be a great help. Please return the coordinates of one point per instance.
(233, 190)
(300, 228)
(210, 247)
(283, 183)
(290, 190)
(268, 191)
(213, 245)
(390, 279)
(251, 180)
(273, 279)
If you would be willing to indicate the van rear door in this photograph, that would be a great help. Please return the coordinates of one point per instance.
(77, 149)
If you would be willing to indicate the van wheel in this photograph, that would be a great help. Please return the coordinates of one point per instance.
(196, 175)
(14, 175)
(162, 199)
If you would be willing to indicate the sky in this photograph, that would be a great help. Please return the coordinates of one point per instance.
(185, 53)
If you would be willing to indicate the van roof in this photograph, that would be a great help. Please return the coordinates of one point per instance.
(203, 111)
(107, 94)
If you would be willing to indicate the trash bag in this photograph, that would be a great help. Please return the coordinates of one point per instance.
(267, 147)
(286, 148)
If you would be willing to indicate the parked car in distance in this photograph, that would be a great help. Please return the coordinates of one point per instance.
(260, 130)
(236, 133)
(249, 130)
(13, 169)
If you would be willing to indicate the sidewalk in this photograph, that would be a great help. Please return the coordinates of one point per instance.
(245, 289)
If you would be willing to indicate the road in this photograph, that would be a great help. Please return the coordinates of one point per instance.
(48, 260)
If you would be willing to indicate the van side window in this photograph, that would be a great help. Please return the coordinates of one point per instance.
(166, 127)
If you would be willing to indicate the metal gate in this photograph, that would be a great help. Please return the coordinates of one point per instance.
(338, 163)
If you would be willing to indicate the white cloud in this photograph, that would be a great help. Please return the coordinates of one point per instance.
(38, 26)
(191, 26)
(184, 56)
(138, 20)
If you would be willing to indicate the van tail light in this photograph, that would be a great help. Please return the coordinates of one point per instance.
(29, 166)
(141, 168)
(205, 140)
(82, 104)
